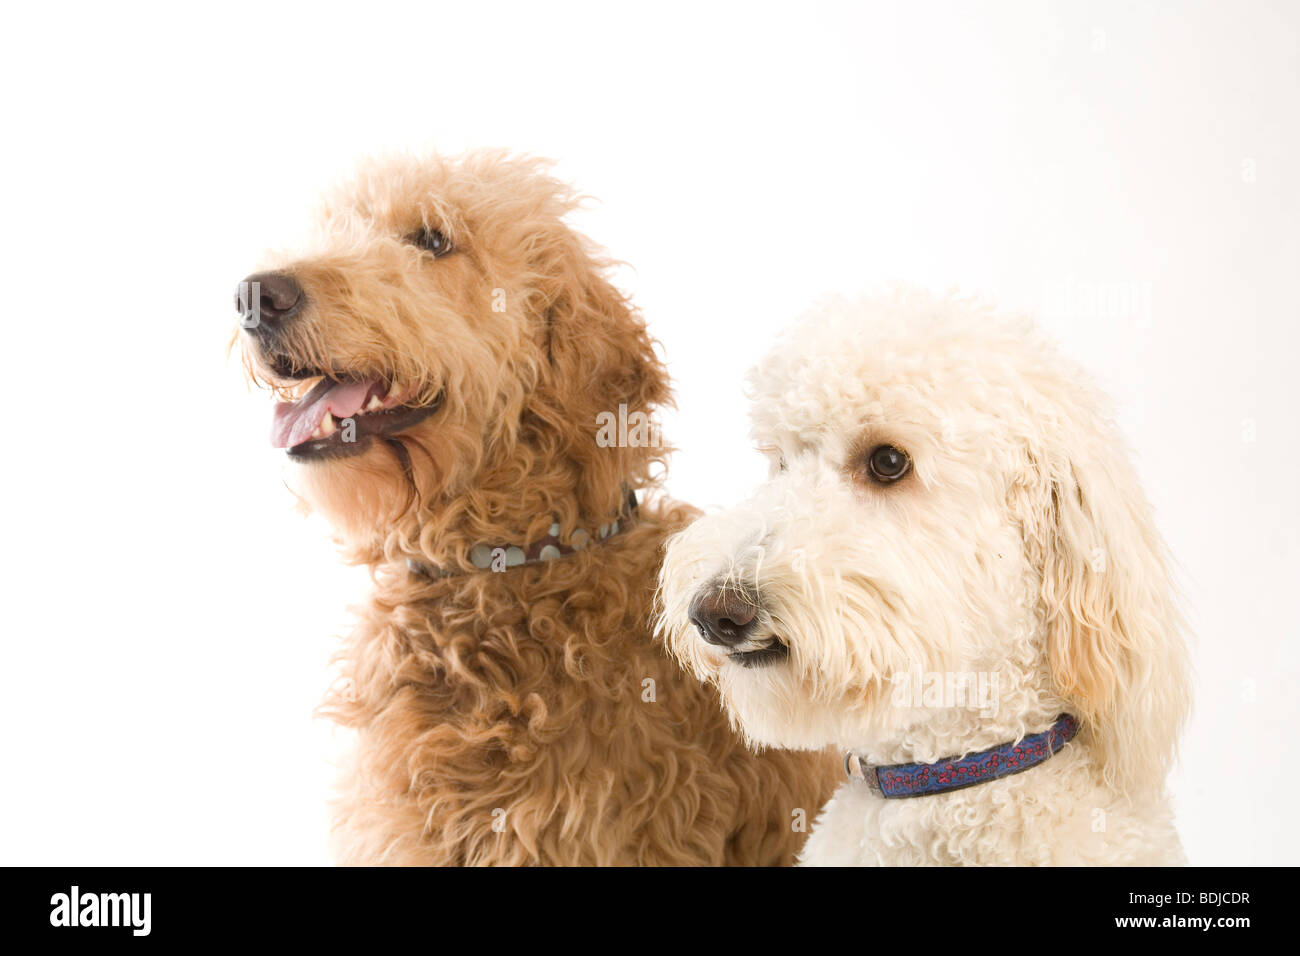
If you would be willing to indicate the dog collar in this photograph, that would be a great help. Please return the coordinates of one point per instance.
(956, 773)
(503, 557)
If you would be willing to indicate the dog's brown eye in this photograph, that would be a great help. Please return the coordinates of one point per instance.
(887, 463)
(431, 240)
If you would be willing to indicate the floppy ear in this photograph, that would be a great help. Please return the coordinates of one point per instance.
(1114, 634)
(595, 339)
(600, 365)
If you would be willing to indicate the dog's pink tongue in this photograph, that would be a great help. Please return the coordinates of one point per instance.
(294, 422)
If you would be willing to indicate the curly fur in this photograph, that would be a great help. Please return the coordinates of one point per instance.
(501, 718)
(1019, 547)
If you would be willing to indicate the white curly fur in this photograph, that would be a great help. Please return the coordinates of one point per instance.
(1019, 547)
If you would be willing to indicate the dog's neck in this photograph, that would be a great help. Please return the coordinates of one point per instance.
(1062, 809)
(504, 554)
(960, 771)
(933, 716)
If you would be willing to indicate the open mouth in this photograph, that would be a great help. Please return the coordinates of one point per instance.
(336, 418)
(763, 656)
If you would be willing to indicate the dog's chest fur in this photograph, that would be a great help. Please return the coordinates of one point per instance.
(527, 717)
(1054, 814)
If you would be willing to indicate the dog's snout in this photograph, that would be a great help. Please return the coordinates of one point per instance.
(723, 616)
(267, 299)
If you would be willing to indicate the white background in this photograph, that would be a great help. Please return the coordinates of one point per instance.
(167, 619)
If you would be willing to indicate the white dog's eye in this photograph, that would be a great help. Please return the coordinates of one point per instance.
(887, 464)
(431, 240)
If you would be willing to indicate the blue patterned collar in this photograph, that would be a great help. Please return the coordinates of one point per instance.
(899, 780)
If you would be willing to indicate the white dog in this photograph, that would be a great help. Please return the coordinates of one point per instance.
(951, 571)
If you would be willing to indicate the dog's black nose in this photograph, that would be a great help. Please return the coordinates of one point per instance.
(723, 616)
(266, 299)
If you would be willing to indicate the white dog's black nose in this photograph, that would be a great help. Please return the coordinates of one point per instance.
(724, 616)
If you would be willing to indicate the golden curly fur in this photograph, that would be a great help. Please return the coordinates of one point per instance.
(524, 716)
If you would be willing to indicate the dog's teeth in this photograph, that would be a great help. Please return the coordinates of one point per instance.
(375, 402)
(393, 391)
(327, 425)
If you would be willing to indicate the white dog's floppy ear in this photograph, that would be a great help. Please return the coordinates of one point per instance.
(1114, 634)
